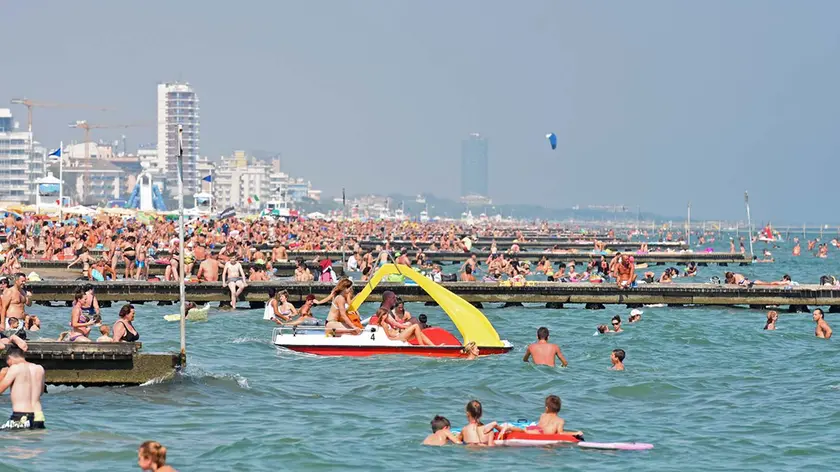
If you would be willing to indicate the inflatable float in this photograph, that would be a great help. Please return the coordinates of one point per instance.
(196, 314)
(524, 439)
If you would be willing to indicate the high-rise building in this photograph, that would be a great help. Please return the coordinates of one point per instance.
(22, 161)
(474, 166)
(177, 104)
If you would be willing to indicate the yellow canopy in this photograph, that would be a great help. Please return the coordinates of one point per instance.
(471, 323)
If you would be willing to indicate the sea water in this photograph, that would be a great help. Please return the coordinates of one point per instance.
(706, 385)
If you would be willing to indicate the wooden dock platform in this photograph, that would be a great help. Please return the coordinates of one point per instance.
(551, 293)
(99, 364)
(657, 258)
(284, 269)
(287, 269)
(538, 245)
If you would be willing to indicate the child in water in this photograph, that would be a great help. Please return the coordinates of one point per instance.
(549, 422)
(475, 432)
(441, 433)
(617, 359)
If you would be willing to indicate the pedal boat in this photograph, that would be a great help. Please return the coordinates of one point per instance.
(470, 322)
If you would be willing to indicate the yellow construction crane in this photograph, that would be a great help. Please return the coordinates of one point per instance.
(83, 124)
(30, 104)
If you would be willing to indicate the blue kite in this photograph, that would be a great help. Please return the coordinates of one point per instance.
(552, 139)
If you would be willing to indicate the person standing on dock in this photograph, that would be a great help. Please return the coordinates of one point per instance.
(544, 352)
(823, 329)
(625, 272)
(14, 300)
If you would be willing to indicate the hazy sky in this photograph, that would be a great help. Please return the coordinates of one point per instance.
(655, 103)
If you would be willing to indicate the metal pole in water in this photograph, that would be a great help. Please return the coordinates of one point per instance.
(61, 182)
(749, 221)
(181, 288)
(688, 225)
(343, 223)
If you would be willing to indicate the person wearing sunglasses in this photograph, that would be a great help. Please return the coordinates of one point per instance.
(616, 324)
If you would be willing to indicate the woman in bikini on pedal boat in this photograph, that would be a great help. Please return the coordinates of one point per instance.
(338, 321)
(411, 332)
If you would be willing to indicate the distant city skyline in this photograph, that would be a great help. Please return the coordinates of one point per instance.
(654, 104)
(474, 166)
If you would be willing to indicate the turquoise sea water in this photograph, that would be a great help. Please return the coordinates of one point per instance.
(707, 386)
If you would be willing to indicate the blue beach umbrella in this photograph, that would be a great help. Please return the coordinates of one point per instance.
(552, 139)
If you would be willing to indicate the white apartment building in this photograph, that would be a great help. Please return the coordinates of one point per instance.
(238, 178)
(177, 104)
(22, 161)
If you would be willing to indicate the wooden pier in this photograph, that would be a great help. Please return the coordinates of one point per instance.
(59, 268)
(657, 258)
(99, 364)
(287, 269)
(551, 293)
(537, 245)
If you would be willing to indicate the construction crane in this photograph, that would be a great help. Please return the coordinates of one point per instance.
(30, 104)
(83, 124)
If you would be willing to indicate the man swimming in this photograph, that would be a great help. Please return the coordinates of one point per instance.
(441, 433)
(543, 351)
(617, 359)
(27, 383)
(823, 329)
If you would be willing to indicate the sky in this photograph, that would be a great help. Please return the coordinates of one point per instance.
(655, 103)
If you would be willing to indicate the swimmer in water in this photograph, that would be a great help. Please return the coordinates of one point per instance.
(823, 329)
(441, 433)
(471, 350)
(616, 324)
(772, 317)
(549, 422)
(617, 359)
(543, 351)
(603, 329)
(475, 433)
(635, 315)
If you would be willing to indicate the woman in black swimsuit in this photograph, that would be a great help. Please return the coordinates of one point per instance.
(129, 254)
(124, 330)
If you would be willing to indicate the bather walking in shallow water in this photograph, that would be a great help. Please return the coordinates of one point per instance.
(772, 317)
(823, 329)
